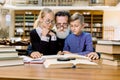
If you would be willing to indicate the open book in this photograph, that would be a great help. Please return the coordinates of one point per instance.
(66, 56)
(78, 62)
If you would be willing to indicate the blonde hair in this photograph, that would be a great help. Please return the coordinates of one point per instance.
(77, 16)
(41, 15)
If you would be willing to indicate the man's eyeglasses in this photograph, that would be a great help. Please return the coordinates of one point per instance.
(64, 25)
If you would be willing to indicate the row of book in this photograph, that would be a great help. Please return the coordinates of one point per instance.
(110, 51)
(9, 56)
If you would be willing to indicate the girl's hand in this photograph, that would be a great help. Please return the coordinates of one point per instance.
(36, 54)
(45, 32)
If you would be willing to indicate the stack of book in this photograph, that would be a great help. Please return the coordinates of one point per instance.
(110, 52)
(9, 56)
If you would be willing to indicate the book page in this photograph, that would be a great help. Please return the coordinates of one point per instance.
(53, 63)
(65, 56)
(28, 59)
(82, 61)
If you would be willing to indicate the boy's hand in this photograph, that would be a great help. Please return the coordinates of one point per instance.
(93, 55)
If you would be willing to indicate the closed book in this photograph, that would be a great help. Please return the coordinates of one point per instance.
(4, 54)
(11, 61)
(77, 63)
(110, 49)
(109, 42)
(7, 48)
(111, 62)
(110, 56)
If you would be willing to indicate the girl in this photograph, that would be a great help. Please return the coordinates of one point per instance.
(43, 39)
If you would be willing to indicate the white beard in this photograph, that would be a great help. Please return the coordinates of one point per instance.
(62, 34)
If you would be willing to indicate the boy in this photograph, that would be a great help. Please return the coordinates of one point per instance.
(78, 42)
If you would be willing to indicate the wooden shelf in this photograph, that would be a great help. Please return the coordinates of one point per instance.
(24, 20)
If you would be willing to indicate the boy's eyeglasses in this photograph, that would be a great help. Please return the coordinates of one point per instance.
(64, 25)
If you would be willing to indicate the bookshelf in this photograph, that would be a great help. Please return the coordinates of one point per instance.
(97, 24)
(19, 23)
(94, 21)
(57, 2)
(49, 2)
(25, 2)
(65, 2)
(96, 2)
(111, 2)
(24, 20)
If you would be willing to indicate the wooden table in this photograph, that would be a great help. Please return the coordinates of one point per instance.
(38, 72)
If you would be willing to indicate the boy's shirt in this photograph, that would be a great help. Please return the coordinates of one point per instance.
(81, 44)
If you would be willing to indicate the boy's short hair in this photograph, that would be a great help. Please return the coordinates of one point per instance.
(77, 16)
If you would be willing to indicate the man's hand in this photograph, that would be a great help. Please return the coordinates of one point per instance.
(66, 52)
(93, 55)
(36, 54)
(63, 52)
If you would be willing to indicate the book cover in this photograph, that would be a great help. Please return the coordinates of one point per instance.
(110, 49)
(109, 42)
(7, 48)
(110, 56)
(111, 62)
(4, 54)
(11, 61)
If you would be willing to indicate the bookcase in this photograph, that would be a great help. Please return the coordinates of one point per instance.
(24, 20)
(65, 2)
(94, 22)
